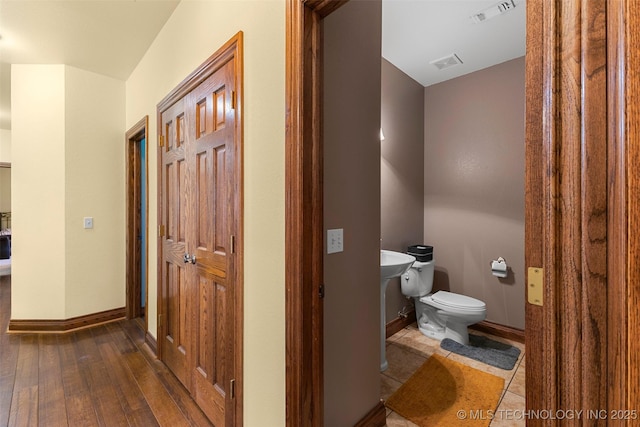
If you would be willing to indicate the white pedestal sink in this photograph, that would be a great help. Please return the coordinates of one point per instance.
(392, 264)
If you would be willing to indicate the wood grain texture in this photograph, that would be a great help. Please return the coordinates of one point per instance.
(498, 330)
(566, 233)
(376, 417)
(581, 204)
(617, 230)
(9, 347)
(631, 138)
(304, 355)
(173, 295)
(64, 325)
(569, 43)
(538, 392)
(78, 403)
(399, 323)
(201, 191)
(151, 342)
(574, 221)
(52, 407)
(297, 384)
(135, 207)
(24, 402)
(103, 375)
(593, 163)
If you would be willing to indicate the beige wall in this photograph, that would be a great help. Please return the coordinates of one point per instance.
(38, 261)
(94, 187)
(66, 167)
(401, 171)
(352, 202)
(474, 186)
(193, 33)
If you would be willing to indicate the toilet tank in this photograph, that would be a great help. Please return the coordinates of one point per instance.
(418, 281)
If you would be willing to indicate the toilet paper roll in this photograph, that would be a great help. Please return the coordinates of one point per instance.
(497, 273)
(499, 268)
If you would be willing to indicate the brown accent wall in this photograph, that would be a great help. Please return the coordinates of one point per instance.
(401, 171)
(474, 186)
(352, 43)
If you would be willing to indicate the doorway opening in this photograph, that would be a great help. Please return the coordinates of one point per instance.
(137, 220)
(5, 219)
(567, 166)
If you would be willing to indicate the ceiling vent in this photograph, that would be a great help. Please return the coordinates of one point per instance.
(493, 11)
(446, 62)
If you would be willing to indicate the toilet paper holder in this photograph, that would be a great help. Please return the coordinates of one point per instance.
(499, 267)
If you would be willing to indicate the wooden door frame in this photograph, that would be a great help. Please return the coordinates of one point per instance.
(132, 178)
(623, 45)
(233, 49)
(303, 212)
(585, 236)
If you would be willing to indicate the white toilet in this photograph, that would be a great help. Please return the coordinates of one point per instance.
(442, 314)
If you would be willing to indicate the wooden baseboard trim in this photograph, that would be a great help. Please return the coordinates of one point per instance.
(376, 417)
(65, 325)
(492, 328)
(399, 323)
(152, 343)
(498, 330)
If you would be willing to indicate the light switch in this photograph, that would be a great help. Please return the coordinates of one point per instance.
(334, 241)
(88, 222)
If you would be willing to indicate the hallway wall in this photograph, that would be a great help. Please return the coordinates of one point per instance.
(192, 34)
(94, 185)
(68, 166)
(38, 175)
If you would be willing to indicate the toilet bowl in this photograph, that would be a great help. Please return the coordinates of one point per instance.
(441, 314)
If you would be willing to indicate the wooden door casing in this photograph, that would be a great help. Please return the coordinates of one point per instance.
(137, 209)
(200, 208)
(567, 205)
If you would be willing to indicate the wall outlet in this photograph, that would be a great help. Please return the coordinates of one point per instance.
(334, 241)
(88, 222)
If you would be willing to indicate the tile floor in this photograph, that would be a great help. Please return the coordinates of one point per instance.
(408, 349)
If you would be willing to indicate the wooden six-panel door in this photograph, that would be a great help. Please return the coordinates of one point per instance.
(174, 340)
(200, 210)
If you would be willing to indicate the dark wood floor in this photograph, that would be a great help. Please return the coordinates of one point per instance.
(101, 376)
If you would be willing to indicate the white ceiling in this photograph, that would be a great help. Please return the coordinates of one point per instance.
(416, 32)
(106, 37)
(111, 36)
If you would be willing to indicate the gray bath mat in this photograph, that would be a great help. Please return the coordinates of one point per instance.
(485, 350)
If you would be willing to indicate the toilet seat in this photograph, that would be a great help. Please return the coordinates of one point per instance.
(450, 301)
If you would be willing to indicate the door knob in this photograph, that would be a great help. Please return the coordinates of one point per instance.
(193, 259)
(186, 258)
